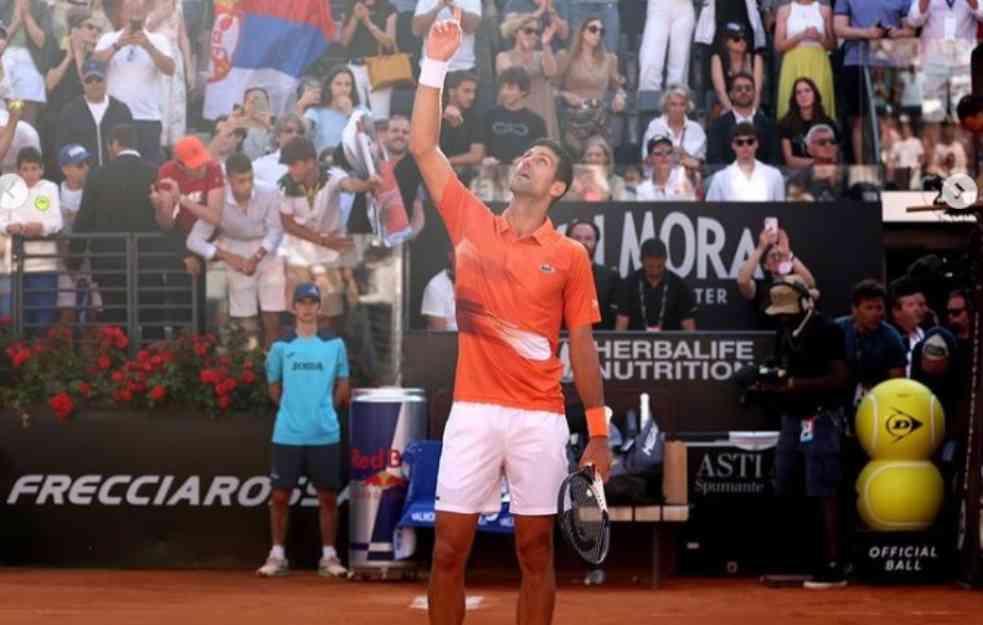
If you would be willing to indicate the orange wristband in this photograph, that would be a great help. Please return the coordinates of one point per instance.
(597, 422)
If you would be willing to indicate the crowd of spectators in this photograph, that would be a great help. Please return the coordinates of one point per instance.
(676, 100)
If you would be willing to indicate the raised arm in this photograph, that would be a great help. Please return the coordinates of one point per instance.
(442, 42)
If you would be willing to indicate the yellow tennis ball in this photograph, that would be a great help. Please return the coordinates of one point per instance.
(899, 495)
(900, 420)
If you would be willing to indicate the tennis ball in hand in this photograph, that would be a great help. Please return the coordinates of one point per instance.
(899, 495)
(900, 419)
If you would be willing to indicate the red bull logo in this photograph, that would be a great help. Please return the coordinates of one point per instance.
(382, 459)
(384, 480)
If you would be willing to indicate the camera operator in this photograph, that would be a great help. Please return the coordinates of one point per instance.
(810, 349)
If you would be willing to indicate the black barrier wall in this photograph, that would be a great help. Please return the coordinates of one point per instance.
(708, 243)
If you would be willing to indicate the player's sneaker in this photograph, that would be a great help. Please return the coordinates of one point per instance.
(331, 567)
(830, 576)
(273, 567)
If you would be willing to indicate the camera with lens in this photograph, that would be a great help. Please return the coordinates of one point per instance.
(754, 379)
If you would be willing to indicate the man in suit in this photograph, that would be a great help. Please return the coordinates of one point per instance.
(719, 150)
(120, 197)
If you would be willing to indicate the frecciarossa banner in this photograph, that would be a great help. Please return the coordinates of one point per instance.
(707, 243)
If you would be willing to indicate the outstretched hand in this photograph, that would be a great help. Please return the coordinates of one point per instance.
(445, 37)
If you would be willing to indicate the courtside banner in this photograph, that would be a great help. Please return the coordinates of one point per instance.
(708, 243)
(126, 489)
(687, 375)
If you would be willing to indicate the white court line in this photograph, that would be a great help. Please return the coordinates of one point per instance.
(471, 602)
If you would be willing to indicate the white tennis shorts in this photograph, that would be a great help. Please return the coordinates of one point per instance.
(483, 441)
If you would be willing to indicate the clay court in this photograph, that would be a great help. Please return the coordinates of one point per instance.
(84, 597)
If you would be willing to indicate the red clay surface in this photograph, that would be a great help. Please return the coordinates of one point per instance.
(90, 597)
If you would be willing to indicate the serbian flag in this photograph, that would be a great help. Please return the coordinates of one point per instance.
(263, 43)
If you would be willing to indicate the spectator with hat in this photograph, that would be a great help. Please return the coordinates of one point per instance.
(747, 179)
(775, 259)
(89, 119)
(315, 233)
(654, 299)
(668, 181)
(194, 183)
(75, 288)
(249, 235)
(810, 348)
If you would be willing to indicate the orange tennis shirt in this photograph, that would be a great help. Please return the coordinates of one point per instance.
(512, 297)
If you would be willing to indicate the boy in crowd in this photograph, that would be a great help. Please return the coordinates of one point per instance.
(510, 127)
(74, 288)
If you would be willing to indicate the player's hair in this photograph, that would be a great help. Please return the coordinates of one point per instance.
(564, 164)
(868, 289)
(238, 163)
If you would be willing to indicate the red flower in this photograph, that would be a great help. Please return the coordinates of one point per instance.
(248, 364)
(167, 356)
(85, 389)
(21, 356)
(208, 376)
(158, 393)
(156, 361)
(201, 349)
(104, 362)
(229, 385)
(148, 367)
(118, 376)
(224, 361)
(224, 402)
(248, 377)
(125, 394)
(137, 387)
(121, 341)
(63, 405)
(143, 355)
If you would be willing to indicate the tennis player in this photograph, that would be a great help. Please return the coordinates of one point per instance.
(308, 376)
(517, 281)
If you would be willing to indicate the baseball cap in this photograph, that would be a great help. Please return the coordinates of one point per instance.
(72, 154)
(656, 140)
(93, 67)
(935, 348)
(785, 297)
(191, 152)
(306, 290)
(735, 28)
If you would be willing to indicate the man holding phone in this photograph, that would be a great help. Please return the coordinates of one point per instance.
(138, 62)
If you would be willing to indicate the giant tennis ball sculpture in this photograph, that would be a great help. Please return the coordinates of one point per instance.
(899, 495)
(900, 420)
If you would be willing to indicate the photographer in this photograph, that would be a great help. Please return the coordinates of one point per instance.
(810, 350)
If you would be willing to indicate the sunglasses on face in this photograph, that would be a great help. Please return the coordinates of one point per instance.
(826, 142)
(662, 153)
(530, 31)
(743, 88)
(745, 142)
(594, 29)
(736, 38)
(955, 312)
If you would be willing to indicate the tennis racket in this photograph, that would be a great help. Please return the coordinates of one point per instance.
(583, 515)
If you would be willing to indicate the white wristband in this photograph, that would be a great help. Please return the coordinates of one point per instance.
(432, 73)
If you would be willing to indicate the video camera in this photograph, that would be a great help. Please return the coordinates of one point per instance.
(752, 378)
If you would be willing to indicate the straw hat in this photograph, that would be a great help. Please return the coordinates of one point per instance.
(515, 23)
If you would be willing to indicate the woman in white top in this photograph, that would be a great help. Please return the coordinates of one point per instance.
(803, 35)
(688, 138)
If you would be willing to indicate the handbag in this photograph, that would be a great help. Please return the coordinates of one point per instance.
(390, 70)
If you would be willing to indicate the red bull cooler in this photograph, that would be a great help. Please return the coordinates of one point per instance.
(383, 421)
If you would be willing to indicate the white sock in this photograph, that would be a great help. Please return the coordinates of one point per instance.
(278, 552)
(329, 553)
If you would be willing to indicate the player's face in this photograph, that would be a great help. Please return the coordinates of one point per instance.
(305, 309)
(584, 234)
(869, 313)
(31, 173)
(535, 173)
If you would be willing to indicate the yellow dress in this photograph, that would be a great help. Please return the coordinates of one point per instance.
(808, 59)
